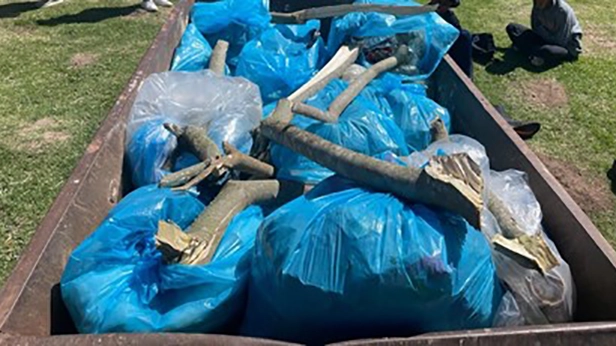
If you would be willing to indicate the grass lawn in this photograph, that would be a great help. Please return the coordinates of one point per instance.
(575, 102)
(60, 72)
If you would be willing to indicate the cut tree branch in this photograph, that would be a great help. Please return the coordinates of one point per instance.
(302, 16)
(451, 182)
(195, 140)
(198, 244)
(350, 93)
(219, 57)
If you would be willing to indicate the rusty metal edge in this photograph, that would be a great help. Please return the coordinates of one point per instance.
(20, 274)
(471, 337)
(537, 164)
(161, 339)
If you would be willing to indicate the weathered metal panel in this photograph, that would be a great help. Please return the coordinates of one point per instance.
(31, 309)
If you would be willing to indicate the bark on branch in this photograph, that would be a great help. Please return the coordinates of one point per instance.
(301, 17)
(198, 244)
(219, 57)
(453, 183)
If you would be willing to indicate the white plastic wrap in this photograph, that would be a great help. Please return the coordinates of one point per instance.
(228, 106)
(540, 297)
(533, 297)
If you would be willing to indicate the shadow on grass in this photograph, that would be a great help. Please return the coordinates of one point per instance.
(512, 60)
(15, 9)
(611, 174)
(91, 15)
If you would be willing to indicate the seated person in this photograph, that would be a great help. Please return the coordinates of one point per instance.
(555, 35)
(462, 50)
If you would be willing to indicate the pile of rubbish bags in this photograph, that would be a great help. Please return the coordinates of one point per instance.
(339, 262)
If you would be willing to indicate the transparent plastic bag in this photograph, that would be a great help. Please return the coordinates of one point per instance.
(228, 106)
(540, 297)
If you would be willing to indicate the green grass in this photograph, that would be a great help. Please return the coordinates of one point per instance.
(38, 80)
(581, 132)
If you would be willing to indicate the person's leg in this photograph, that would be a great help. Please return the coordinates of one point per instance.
(550, 54)
(462, 52)
(524, 38)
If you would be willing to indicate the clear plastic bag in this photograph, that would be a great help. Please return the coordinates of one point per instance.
(540, 297)
(229, 107)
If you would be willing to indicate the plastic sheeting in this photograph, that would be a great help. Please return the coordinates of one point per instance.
(533, 297)
(193, 52)
(539, 298)
(362, 127)
(235, 21)
(343, 263)
(413, 111)
(147, 152)
(115, 281)
(428, 37)
(282, 59)
(229, 107)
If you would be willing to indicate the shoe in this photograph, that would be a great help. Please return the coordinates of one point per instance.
(163, 3)
(149, 6)
(611, 174)
(524, 129)
(48, 3)
(536, 61)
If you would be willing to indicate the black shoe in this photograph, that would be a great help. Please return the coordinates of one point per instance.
(524, 129)
(611, 174)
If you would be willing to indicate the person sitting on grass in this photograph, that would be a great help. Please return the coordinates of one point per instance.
(462, 50)
(556, 34)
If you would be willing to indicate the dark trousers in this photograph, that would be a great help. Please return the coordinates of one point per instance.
(462, 52)
(531, 44)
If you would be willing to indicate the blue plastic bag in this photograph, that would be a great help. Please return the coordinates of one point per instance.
(115, 280)
(343, 263)
(428, 37)
(281, 59)
(193, 52)
(362, 127)
(147, 151)
(235, 21)
(412, 110)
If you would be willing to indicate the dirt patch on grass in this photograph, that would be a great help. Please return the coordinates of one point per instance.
(544, 93)
(597, 40)
(590, 193)
(37, 136)
(83, 59)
